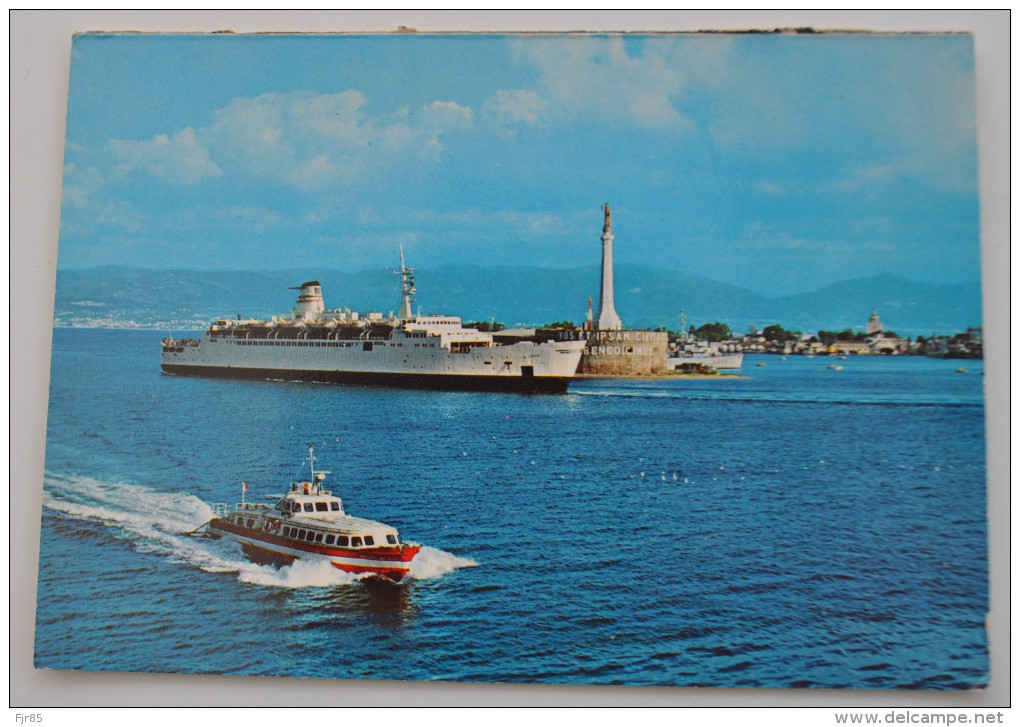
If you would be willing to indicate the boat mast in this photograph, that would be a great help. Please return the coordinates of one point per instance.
(406, 289)
(317, 475)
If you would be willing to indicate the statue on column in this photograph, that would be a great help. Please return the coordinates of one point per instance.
(608, 227)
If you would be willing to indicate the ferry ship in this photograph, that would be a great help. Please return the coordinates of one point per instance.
(309, 523)
(341, 346)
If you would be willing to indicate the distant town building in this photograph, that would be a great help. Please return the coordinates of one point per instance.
(876, 342)
(851, 347)
(874, 323)
(962, 345)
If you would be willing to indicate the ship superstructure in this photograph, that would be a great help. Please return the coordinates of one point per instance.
(314, 343)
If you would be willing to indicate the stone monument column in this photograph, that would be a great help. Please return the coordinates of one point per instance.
(607, 318)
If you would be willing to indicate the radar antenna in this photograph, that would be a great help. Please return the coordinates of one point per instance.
(317, 475)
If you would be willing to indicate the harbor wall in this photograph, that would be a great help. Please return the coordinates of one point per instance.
(617, 353)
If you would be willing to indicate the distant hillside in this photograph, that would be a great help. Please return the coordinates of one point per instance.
(646, 297)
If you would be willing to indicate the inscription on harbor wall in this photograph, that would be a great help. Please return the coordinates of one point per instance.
(619, 353)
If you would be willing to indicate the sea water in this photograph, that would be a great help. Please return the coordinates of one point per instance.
(800, 526)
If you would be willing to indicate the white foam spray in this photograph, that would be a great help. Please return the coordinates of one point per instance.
(156, 521)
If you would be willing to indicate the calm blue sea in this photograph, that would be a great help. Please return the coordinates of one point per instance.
(799, 527)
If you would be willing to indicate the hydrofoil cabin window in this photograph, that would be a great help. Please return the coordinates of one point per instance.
(334, 506)
(355, 542)
(321, 507)
(330, 539)
(308, 507)
(341, 540)
(369, 540)
(391, 539)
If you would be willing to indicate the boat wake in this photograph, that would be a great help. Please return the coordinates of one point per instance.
(428, 564)
(904, 398)
(156, 522)
(432, 563)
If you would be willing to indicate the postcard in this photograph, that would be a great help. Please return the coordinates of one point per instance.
(618, 359)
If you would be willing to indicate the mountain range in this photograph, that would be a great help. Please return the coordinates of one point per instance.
(646, 297)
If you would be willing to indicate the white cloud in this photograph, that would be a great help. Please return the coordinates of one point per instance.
(310, 139)
(317, 170)
(446, 115)
(80, 184)
(932, 120)
(109, 214)
(593, 79)
(86, 201)
(337, 116)
(520, 105)
(874, 107)
(865, 176)
(178, 159)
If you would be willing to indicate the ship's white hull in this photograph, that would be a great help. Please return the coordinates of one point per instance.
(399, 361)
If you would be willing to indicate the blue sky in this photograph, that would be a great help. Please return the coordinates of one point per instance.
(776, 162)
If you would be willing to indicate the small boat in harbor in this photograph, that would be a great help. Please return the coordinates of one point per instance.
(309, 523)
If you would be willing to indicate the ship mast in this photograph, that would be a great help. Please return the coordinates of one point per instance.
(317, 475)
(406, 289)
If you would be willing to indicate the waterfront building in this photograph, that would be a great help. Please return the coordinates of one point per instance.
(962, 345)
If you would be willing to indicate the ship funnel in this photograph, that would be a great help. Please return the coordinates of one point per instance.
(309, 306)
